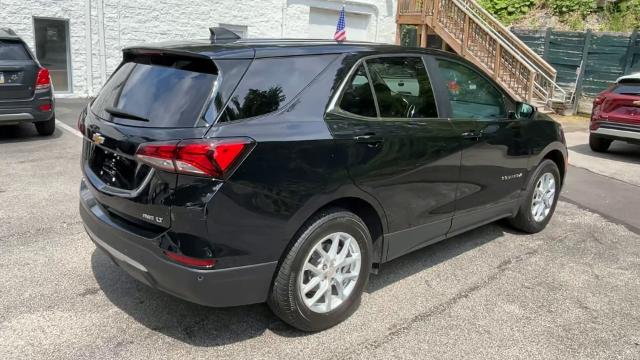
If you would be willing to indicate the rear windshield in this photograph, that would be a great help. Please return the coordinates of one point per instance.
(13, 50)
(627, 89)
(163, 93)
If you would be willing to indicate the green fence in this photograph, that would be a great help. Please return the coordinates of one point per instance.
(586, 61)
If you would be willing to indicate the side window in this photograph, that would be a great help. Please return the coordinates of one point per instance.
(402, 87)
(470, 94)
(271, 83)
(357, 98)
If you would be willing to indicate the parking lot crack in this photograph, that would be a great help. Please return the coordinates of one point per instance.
(442, 307)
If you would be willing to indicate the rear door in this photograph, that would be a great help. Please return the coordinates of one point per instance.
(399, 149)
(18, 71)
(494, 153)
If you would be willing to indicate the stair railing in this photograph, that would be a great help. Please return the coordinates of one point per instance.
(476, 35)
(545, 87)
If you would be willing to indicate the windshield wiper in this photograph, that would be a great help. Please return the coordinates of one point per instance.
(123, 114)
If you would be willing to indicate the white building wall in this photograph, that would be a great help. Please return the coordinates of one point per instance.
(18, 15)
(103, 27)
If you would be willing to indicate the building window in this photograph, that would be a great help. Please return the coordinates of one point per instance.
(52, 50)
(240, 30)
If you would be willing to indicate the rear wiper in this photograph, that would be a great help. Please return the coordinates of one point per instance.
(123, 114)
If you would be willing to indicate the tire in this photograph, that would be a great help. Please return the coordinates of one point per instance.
(599, 144)
(46, 128)
(287, 298)
(525, 220)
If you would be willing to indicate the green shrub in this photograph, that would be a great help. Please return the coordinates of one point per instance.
(508, 11)
(622, 15)
(571, 7)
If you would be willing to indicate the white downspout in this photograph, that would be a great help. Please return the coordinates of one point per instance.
(284, 17)
(101, 41)
(89, 48)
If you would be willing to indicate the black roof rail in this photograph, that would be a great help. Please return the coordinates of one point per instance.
(220, 34)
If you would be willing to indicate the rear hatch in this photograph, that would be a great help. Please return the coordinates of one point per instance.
(622, 104)
(18, 71)
(149, 98)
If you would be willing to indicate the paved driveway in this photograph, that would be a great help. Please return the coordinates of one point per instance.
(572, 291)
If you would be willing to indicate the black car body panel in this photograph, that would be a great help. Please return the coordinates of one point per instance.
(226, 287)
(20, 101)
(414, 181)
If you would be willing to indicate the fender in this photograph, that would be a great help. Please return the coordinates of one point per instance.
(348, 190)
(535, 159)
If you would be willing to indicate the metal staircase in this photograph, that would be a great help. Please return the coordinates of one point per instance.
(477, 36)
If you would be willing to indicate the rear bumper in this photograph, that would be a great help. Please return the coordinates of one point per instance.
(616, 131)
(135, 254)
(26, 111)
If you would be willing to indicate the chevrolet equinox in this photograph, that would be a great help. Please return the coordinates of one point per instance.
(229, 172)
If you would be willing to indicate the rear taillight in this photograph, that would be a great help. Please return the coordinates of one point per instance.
(597, 103)
(80, 124)
(215, 158)
(43, 80)
(45, 107)
(190, 261)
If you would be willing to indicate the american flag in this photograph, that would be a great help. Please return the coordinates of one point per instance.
(341, 31)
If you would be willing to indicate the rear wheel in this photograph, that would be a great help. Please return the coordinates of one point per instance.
(599, 144)
(540, 201)
(320, 281)
(46, 128)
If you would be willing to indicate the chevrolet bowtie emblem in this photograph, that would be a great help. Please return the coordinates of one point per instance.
(97, 138)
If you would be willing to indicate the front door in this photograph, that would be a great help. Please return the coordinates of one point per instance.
(494, 155)
(399, 149)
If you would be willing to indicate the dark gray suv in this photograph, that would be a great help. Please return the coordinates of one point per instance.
(26, 93)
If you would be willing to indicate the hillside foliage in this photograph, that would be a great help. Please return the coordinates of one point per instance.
(618, 15)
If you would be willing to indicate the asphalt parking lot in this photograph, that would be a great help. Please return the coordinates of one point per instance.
(572, 291)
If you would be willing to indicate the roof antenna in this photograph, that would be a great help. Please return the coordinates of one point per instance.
(220, 34)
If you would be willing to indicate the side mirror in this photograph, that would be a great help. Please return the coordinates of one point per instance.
(524, 111)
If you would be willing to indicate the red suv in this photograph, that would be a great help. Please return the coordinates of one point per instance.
(616, 114)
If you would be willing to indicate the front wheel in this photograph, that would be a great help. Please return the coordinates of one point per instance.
(321, 279)
(540, 201)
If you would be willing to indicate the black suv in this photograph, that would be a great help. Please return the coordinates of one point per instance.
(238, 172)
(26, 94)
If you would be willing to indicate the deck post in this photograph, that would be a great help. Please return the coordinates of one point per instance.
(496, 65)
(423, 36)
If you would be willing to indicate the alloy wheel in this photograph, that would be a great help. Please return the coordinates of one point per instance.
(330, 272)
(543, 197)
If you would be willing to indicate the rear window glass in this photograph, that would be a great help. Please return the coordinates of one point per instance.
(630, 89)
(358, 98)
(12, 50)
(165, 93)
(271, 83)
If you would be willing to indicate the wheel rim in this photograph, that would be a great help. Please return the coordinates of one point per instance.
(544, 195)
(330, 272)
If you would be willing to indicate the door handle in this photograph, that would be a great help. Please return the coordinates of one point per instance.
(369, 139)
(471, 135)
